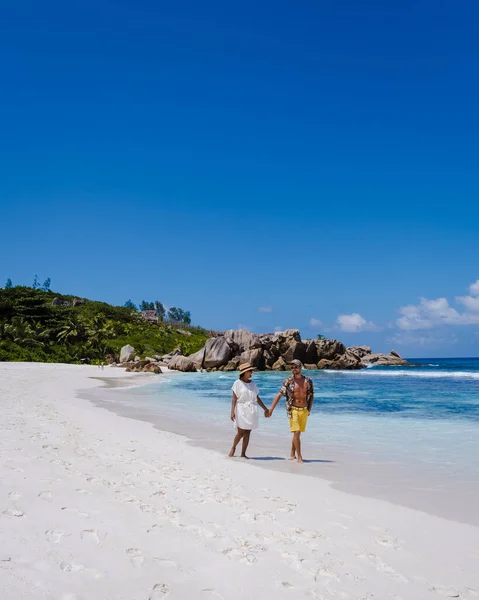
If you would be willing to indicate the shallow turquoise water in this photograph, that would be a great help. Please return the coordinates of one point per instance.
(425, 416)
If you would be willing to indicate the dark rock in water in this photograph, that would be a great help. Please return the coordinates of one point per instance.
(347, 361)
(393, 359)
(360, 350)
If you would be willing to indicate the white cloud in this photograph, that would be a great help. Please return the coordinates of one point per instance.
(315, 322)
(474, 288)
(355, 323)
(433, 313)
(278, 329)
(265, 309)
(471, 302)
(246, 327)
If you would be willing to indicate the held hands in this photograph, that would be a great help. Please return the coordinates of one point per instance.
(267, 414)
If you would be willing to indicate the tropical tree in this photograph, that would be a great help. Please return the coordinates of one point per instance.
(147, 305)
(179, 315)
(130, 304)
(46, 284)
(23, 333)
(160, 310)
(9, 284)
(72, 331)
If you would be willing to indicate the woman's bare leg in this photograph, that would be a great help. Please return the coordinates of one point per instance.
(236, 441)
(245, 444)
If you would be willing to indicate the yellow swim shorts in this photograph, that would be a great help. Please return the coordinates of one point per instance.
(299, 418)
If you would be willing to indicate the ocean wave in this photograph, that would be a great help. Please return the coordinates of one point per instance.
(424, 374)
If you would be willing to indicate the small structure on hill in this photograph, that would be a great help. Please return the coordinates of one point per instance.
(149, 315)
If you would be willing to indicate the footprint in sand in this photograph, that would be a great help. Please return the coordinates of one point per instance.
(90, 535)
(136, 557)
(75, 510)
(449, 592)
(211, 594)
(388, 542)
(379, 565)
(250, 517)
(54, 535)
(159, 591)
(71, 567)
(47, 495)
(325, 573)
(245, 558)
(12, 512)
(14, 495)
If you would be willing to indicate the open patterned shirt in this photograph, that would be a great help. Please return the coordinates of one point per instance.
(287, 390)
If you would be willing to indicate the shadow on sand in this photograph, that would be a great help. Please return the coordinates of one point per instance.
(306, 460)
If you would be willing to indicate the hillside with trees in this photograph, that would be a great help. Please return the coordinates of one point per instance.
(37, 324)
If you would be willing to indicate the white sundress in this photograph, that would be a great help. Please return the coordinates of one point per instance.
(246, 410)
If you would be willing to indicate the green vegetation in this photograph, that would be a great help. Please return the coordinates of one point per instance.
(32, 328)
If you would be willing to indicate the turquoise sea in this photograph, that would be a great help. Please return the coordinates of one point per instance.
(378, 431)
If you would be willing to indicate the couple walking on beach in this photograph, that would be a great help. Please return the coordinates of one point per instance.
(299, 393)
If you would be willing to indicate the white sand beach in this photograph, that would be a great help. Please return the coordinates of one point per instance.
(95, 506)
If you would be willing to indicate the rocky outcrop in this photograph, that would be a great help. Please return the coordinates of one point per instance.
(127, 353)
(217, 352)
(254, 357)
(58, 302)
(272, 351)
(182, 363)
(346, 361)
(142, 366)
(198, 358)
(393, 359)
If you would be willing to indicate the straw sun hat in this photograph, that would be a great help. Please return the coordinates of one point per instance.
(245, 367)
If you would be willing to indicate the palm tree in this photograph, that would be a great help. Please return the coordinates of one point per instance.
(24, 333)
(72, 331)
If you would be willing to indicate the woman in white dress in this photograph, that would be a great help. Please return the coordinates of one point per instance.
(244, 408)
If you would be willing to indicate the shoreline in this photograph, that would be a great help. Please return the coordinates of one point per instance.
(96, 505)
(342, 468)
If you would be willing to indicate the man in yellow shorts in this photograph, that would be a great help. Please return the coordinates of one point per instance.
(299, 393)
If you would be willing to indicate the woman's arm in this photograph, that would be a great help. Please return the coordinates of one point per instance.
(265, 408)
(233, 406)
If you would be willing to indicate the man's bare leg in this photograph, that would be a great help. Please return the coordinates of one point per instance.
(293, 450)
(236, 441)
(245, 444)
(297, 445)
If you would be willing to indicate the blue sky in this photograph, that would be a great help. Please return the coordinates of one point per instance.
(266, 164)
